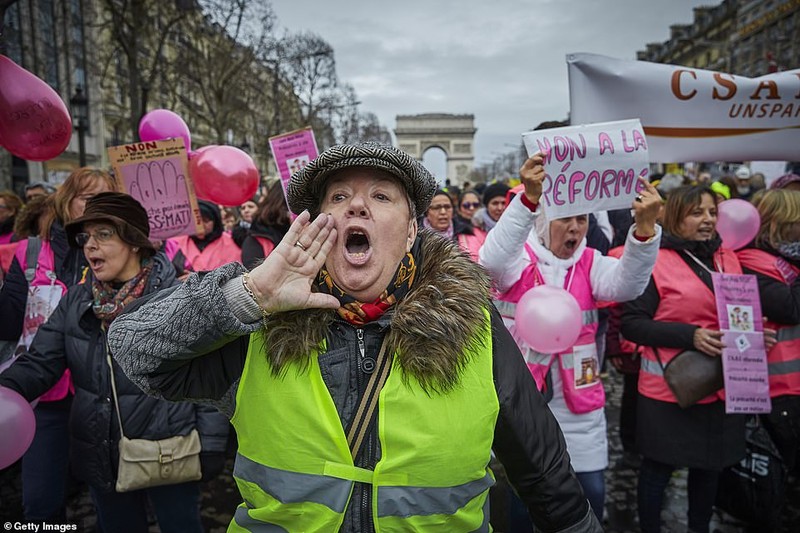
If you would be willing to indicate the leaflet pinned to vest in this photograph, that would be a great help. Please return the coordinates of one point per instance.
(590, 168)
(744, 358)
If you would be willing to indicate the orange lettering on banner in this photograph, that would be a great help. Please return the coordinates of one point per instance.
(771, 86)
(728, 84)
(676, 85)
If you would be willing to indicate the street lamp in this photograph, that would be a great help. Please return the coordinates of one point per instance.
(80, 112)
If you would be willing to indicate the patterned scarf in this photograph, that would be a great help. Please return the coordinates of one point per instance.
(110, 302)
(446, 233)
(359, 313)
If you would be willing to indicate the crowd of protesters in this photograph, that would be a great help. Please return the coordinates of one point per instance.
(74, 257)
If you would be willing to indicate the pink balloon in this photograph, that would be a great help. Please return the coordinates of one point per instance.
(17, 426)
(224, 175)
(34, 121)
(548, 319)
(195, 153)
(738, 223)
(161, 124)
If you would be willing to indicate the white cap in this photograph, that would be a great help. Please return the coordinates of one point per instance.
(743, 173)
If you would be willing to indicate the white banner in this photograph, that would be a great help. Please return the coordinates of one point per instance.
(691, 114)
(590, 168)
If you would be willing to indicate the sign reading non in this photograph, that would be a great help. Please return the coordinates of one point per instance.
(590, 168)
(156, 174)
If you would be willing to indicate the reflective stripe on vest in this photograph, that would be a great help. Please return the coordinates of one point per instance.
(294, 487)
(408, 501)
(295, 471)
(784, 367)
(789, 333)
(651, 367)
(243, 520)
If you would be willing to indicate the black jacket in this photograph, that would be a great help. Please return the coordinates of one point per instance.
(72, 338)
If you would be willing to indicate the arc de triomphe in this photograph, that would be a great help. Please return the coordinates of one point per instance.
(454, 134)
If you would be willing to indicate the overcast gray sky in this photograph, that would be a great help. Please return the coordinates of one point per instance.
(501, 60)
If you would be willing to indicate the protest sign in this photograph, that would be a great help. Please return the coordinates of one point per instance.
(156, 174)
(690, 114)
(744, 358)
(591, 167)
(292, 151)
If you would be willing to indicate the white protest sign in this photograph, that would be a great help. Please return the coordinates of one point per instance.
(691, 114)
(591, 167)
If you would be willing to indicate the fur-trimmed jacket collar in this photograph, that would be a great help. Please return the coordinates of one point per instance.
(431, 329)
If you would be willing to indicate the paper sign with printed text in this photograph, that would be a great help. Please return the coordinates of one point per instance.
(744, 358)
(156, 173)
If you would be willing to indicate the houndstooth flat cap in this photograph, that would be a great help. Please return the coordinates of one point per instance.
(306, 184)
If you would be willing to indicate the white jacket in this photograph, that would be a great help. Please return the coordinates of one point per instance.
(504, 256)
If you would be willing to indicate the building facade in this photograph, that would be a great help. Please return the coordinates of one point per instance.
(742, 37)
(50, 38)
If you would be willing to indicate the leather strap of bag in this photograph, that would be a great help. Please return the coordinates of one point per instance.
(366, 407)
(113, 384)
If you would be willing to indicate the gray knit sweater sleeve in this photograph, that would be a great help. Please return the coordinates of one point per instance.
(178, 345)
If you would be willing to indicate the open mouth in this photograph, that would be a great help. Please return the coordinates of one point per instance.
(96, 263)
(571, 244)
(357, 247)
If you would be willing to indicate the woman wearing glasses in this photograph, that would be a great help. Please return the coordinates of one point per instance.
(113, 236)
(38, 278)
(468, 203)
(439, 219)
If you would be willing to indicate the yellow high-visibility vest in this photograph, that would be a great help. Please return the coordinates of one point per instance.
(295, 472)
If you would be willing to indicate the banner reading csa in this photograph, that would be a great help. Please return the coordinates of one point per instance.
(691, 114)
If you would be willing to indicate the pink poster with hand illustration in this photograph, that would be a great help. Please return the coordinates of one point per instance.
(156, 174)
(744, 357)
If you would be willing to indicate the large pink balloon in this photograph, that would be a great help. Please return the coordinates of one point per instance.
(161, 124)
(548, 319)
(738, 222)
(195, 153)
(17, 426)
(34, 121)
(224, 175)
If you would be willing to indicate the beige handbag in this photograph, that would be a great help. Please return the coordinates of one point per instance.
(150, 463)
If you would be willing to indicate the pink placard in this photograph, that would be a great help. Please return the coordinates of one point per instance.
(744, 358)
(292, 151)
